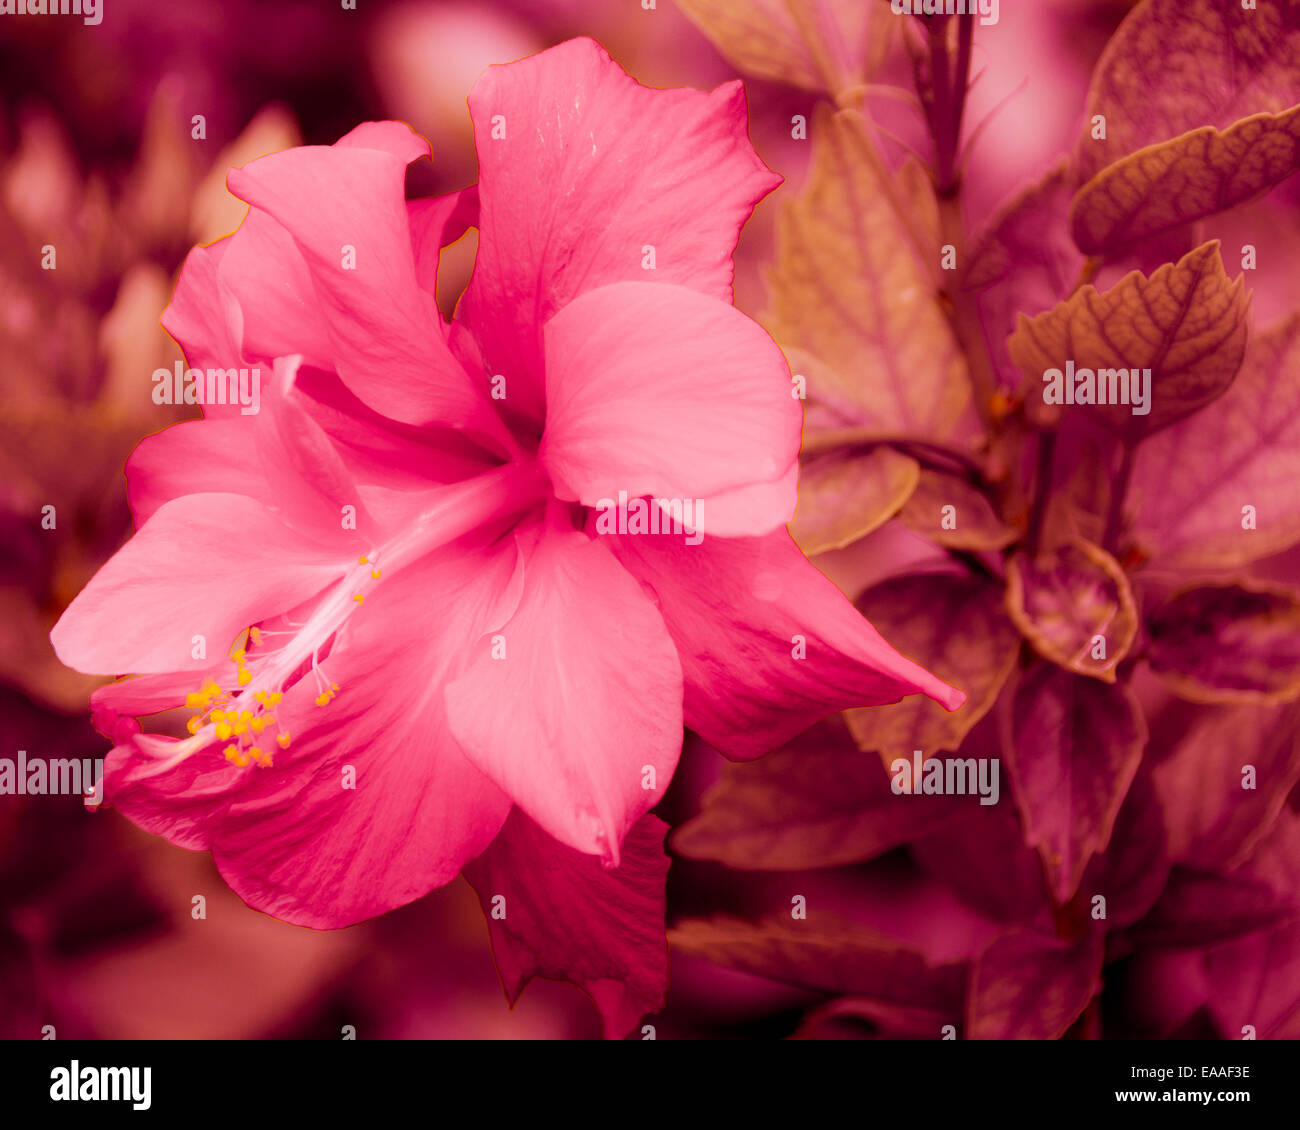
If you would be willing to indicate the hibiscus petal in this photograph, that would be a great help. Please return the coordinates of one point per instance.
(382, 451)
(436, 222)
(204, 316)
(149, 694)
(568, 918)
(579, 720)
(657, 390)
(768, 644)
(386, 336)
(372, 804)
(204, 565)
(750, 511)
(194, 457)
(582, 170)
(313, 487)
(279, 456)
(266, 276)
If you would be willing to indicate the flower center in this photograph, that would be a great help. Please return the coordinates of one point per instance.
(240, 713)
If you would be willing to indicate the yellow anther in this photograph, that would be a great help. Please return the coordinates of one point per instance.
(245, 676)
(276, 697)
(365, 560)
(323, 699)
(374, 572)
(238, 656)
(193, 700)
(283, 739)
(224, 730)
(256, 633)
(218, 714)
(258, 724)
(359, 598)
(193, 724)
(240, 728)
(245, 715)
(334, 686)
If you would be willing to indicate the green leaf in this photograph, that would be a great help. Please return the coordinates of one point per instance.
(1030, 986)
(1186, 323)
(1073, 746)
(1220, 490)
(1228, 643)
(1195, 175)
(829, 955)
(817, 802)
(955, 627)
(820, 45)
(1213, 820)
(1198, 99)
(850, 288)
(972, 523)
(843, 496)
(1073, 603)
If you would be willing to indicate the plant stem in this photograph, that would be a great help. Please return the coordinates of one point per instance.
(1091, 265)
(1118, 493)
(931, 454)
(942, 106)
(965, 40)
(1046, 459)
(947, 106)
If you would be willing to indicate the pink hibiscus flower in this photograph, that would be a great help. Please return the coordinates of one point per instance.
(388, 594)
